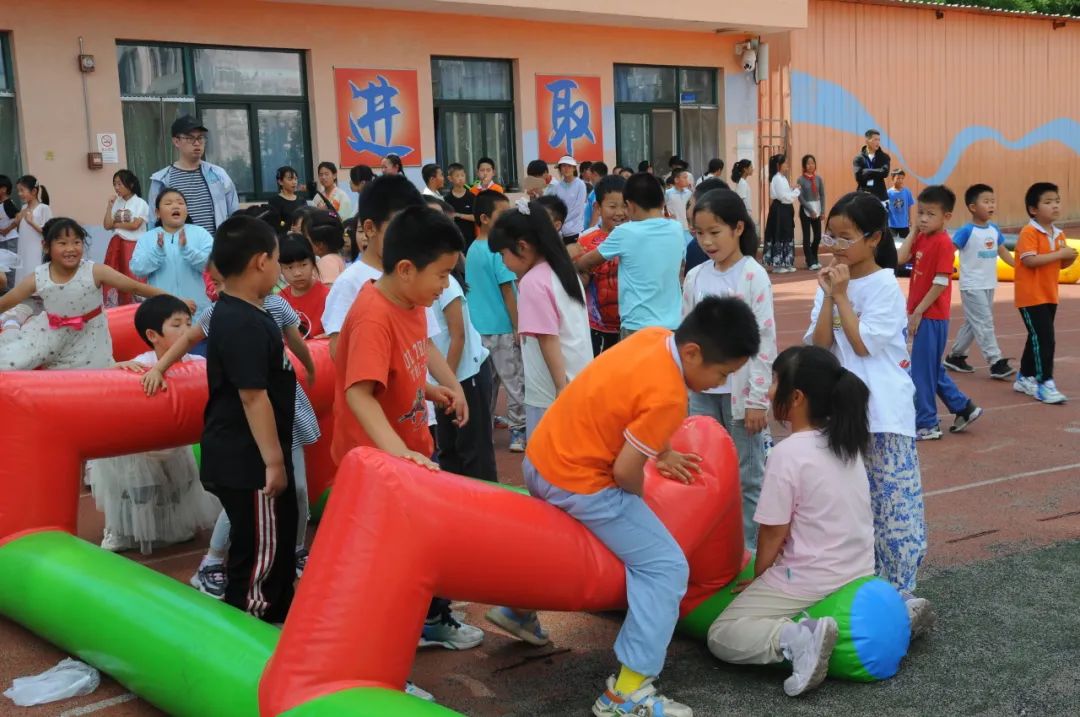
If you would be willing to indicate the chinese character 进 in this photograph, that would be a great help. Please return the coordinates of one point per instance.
(379, 110)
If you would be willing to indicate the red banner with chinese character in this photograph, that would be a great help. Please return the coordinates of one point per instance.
(569, 118)
(378, 114)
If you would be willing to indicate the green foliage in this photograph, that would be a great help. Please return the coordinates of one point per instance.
(1050, 7)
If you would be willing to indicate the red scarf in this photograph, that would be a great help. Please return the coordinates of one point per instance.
(813, 183)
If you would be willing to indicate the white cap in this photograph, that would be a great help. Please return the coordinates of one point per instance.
(567, 159)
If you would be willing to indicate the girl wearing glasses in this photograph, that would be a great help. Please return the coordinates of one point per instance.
(859, 314)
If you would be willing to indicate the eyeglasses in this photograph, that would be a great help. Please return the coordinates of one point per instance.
(194, 138)
(840, 242)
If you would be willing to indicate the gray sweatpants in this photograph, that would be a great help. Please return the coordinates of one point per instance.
(510, 372)
(978, 325)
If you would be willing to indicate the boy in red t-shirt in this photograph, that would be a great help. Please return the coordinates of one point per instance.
(928, 306)
(602, 282)
(382, 360)
(306, 295)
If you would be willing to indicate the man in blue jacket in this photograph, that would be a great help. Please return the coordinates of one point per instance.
(209, 192)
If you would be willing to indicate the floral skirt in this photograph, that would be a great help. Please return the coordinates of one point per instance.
(896, 497)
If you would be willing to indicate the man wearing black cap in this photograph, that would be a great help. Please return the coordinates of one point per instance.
(209, 192)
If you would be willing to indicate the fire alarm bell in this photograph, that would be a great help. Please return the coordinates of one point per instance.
(86, 63)
(94, 160)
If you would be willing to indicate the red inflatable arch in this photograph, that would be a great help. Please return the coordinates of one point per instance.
(414, 533)
(59, 419)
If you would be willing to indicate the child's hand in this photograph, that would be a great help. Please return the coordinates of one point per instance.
(682, 467)
(824, 280)
(453, 401)
(277, 480)
(839, 275)
(418, 458)
(755, 420)
(112, 200)
(740, 586)
(153, 381)
(913, 324)
(183, 238)
(191, 305)
(1068, 254)
(131, 366)
(160, 239)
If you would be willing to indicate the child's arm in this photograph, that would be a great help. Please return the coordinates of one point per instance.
(154, 379)
(22, 291)
(771, 539)
(108, 221)
(455, 325)
(840, 275)
(298, 346)
(551, 350)
(28, 217)
(510, 299)
(260, 417)
(1006, 255)
(1068, 256)
(149, 254)
(903, 254)
(589, 261)
(360, 398)
(449, 392)
(196, 251)
(111, 277)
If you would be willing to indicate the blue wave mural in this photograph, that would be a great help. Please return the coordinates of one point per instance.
(821, 102)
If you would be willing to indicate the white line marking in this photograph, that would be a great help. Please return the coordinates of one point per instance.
(478, 688)
(1003, 479)
(98, 706)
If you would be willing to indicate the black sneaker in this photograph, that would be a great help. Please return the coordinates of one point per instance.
(956, 362)
(965, 418)
(1001, 370)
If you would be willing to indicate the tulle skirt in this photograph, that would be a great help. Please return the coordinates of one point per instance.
(153, 497)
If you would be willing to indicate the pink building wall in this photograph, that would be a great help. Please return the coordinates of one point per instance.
(50, 96)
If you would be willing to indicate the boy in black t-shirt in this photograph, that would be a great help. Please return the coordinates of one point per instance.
(246, 441)
(461, 199)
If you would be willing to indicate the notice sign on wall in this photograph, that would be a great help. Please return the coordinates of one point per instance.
(569, 118)
(378, 114)
(106, 144)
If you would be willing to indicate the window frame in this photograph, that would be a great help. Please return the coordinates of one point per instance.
(646, 108)
(442, 107)
(8, 92)
(252, 103)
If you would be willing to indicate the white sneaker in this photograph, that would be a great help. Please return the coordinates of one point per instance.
(921, 616)
(115, 543)
(1047, 392)
(1025, 385)
(808, 645)
(645, 701)
(414, 691)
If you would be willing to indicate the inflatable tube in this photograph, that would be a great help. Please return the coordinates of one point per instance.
(870, 615)
(1070, 275)
(184, 652)
(416, 533)
(40, 476)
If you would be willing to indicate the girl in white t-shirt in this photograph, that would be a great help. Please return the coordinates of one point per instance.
(817, 531)
(126, 215)
(859, 314)
(340, 203)
(35, 212)
(727, 235)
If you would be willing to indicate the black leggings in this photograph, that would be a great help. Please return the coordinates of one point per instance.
(1038, 358)
(810, 245)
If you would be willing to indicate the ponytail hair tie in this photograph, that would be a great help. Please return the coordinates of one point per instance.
(522, 205)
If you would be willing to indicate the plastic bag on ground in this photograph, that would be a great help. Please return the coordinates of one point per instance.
(70, 678)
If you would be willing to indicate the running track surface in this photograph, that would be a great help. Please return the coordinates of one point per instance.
(1007, 486)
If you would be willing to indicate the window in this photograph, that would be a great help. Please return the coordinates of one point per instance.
(10, 162)
(474, 114)
(252, 101)
(662, 111)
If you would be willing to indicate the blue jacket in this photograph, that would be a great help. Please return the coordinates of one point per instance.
(222, 190)
(178, 270)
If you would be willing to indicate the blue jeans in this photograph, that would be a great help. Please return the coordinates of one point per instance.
(929, 374)
(656, 569)
(750, 449)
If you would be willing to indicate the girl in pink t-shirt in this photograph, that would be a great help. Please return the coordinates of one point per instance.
(816, 528)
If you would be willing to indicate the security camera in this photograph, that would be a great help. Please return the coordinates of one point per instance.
(749, 59)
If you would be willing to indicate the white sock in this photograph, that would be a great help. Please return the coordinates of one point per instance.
(210, 560)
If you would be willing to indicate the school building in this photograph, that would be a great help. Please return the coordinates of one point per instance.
(960, 94)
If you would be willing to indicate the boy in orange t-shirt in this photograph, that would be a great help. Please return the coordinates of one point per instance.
(587, 457)
(1041, 252)
(382, 360)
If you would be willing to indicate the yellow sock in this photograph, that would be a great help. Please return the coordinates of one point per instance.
(629, 681)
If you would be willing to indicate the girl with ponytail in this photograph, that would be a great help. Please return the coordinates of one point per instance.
(816, 528)
(552, 320)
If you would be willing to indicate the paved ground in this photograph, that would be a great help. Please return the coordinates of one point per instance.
(1004, 562)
